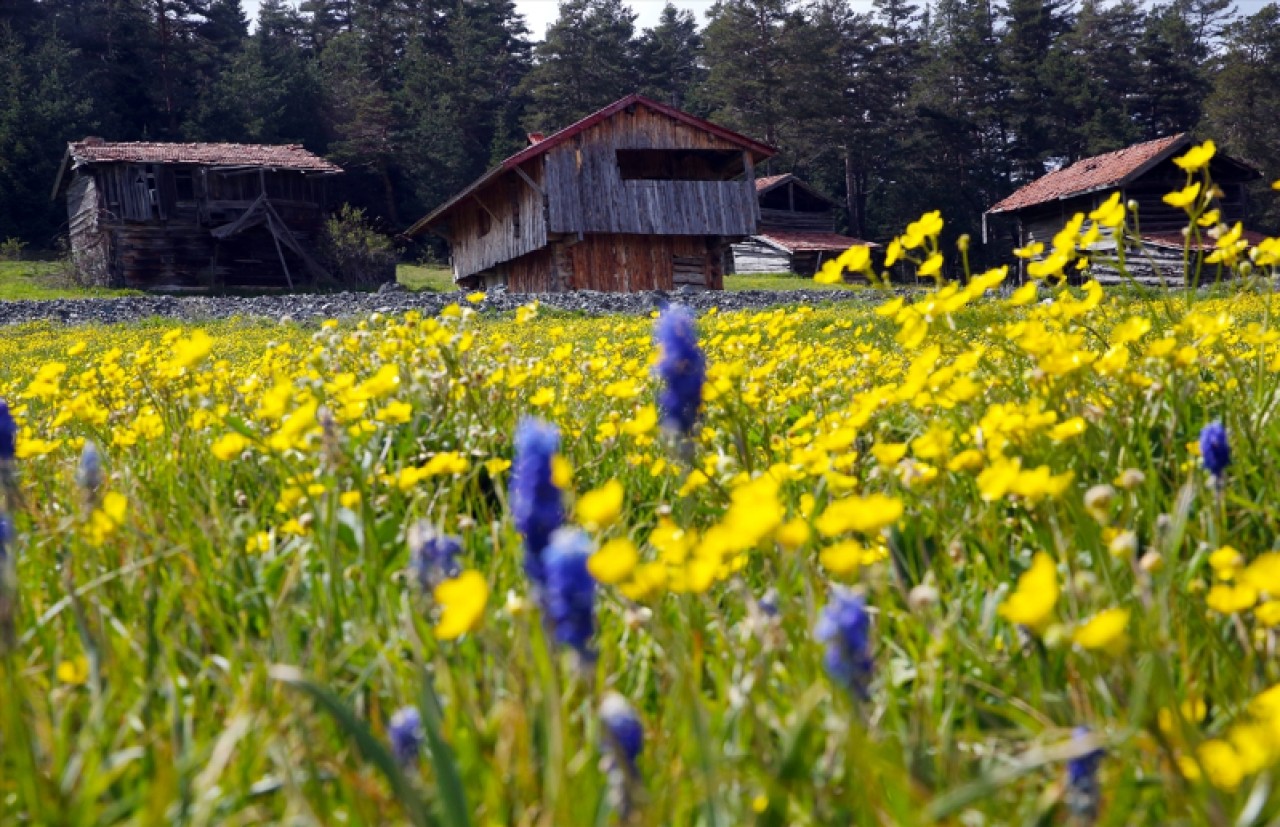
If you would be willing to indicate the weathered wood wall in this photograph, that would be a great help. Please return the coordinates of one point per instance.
(823, 221)
(612, 262)
(498, 223)
(754, 256)
(90, 246)
(586, 192)
(148, 226)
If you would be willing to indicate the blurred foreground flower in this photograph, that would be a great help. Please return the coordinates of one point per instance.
(405, 734)
(433, 555)
(89, 471)
(8, 433)
(624, 739)
(462, 601)
(1082, 779)
(537, 505)
(845, 627)
(1031, 604)
(682, 368)
(1215, 450)
(570, 594)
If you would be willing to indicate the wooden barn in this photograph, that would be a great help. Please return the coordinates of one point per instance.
(638, 196)
(1143, 173)
(797, 230)
(188, 217)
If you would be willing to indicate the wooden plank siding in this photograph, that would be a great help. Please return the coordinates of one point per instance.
(502, 222)
(634, 197)
(587, 194)
(132, 225)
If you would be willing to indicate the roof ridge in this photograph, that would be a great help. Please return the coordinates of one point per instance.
(1101, 171)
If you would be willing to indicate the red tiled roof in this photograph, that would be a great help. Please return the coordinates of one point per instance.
(761, 151)
(795, 241)
(1090, 174)
(768, 181)
(288, 156)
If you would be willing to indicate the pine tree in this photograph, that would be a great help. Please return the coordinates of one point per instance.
(1172, 73)
(587, 61)
(670, 58)
(1243, 111)
(1032, 48)
(43, 105)
(746, 61)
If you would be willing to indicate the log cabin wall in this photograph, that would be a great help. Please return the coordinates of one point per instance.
(498, 223)
(148, 226)
(790, 206)
(587, 191)
(754, 256)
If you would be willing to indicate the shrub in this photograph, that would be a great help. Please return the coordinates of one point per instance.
(11, 249)
(356, 254)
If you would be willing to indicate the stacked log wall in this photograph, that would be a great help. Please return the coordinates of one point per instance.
(754, 256)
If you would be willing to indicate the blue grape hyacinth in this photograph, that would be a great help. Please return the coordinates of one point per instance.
(570, 591)
(682, 368)
(1215, 449)
(537, 505)
(89, 471)
(625, 734)
(845, 627)
(624, 740)
(405, 734)
(1082, 794)
(8, 433)
(433, 555)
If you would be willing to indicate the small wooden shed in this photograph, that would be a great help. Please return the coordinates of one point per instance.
(1143, 173)
(797, 230)
(189, 217)
(638, 196)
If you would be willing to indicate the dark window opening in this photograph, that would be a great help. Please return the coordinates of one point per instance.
(515, 214)
(184, 185)
(679, 164)
(485, 222)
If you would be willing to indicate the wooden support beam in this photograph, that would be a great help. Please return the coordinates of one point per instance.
(534, 184)
(484, 206)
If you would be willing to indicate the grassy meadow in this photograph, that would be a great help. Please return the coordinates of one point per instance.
(999, 554)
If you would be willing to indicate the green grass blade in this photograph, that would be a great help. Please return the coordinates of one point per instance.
(453, 798)
(371, 749)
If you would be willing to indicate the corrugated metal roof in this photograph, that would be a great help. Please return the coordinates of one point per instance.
(1089, 174)
(760, 150)
(798, 241)
(287, 156)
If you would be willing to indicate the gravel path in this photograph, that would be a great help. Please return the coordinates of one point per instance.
(337, 305)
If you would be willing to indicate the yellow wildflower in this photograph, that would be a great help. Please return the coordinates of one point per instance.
(614, 562)
(1104, 631)
(1032, 602)
(229, 446)
(1197, 157)
(865, 515)
(600, 508)
(462, 602)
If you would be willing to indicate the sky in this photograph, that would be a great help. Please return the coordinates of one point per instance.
(541, 13)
